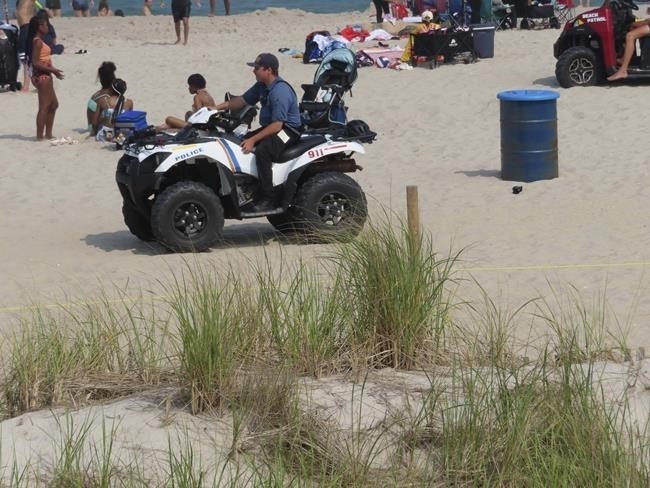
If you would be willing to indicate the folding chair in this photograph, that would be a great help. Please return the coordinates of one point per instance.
(447, 43)
(504, 16)
(565, 10)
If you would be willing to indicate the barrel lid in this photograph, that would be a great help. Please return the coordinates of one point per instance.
(527, 95)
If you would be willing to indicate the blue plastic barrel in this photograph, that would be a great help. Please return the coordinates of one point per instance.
(529, 149)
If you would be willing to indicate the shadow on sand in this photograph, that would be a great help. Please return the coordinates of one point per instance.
(234, 236)
(549, 81)
(483, 173)
(18, 137)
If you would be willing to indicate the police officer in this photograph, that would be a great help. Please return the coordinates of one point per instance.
(279, 120)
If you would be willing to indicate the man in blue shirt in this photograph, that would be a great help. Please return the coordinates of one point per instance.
(279, 120)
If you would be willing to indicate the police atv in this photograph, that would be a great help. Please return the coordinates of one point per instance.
(587, 49)
(178, 189)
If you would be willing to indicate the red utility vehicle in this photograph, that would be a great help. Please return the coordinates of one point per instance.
(587, 49)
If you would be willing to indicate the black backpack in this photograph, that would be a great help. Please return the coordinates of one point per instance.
(310, 45)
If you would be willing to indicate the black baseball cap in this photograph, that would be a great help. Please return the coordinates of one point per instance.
(265, 60)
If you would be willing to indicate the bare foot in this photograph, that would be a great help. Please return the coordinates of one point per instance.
(24, 89)
(619, 75)
(178, 41)
(184, 43)
(211, 14)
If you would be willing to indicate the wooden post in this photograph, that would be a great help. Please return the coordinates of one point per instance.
(413, 212)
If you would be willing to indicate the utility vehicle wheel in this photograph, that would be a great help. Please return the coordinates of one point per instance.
(577, 66)
(187, 216)
(330, 206)
(138, 224)
(554, 23)
(526, 24)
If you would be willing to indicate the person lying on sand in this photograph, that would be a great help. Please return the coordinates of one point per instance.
(637, 31)
(196, 85)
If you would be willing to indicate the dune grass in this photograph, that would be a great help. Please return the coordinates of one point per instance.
(99, 350)
(397, 286)
(240, 345)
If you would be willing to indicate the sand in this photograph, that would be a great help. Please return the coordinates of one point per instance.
(63, 237)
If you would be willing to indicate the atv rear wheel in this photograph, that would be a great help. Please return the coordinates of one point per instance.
(138, 224)
(187, 216)
(577, 66)
(285, 223)
(330, 206)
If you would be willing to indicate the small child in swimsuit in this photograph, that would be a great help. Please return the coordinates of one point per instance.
(196, 85)
(106, 76)
(108, 106)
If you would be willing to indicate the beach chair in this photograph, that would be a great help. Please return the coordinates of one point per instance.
(504, 16)
(536, 14)
(443, 45)
(565, 10)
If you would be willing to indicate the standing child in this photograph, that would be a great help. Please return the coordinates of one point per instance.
(42, 71)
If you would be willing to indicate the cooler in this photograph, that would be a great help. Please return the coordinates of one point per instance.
(483, 38)
(130, 121)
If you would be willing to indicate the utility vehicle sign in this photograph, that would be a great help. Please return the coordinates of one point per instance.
(593, 18)
(188, 154)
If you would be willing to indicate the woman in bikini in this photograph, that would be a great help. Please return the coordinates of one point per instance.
(40, 60)
(106, 76)
(107, 107)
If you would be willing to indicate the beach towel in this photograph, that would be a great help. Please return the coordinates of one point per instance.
(379, 35)
(354, 33)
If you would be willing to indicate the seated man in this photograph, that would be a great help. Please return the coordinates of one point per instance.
(279, 118)
(196, 86)
(637, 31)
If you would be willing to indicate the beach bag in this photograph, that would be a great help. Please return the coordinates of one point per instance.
(362, 59)
(312, 52)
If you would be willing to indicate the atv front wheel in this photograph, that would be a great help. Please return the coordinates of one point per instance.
(137, 223)
(577, 66)
(187, 216)
(330, 206)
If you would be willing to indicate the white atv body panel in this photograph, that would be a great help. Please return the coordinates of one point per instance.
(231, 156)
